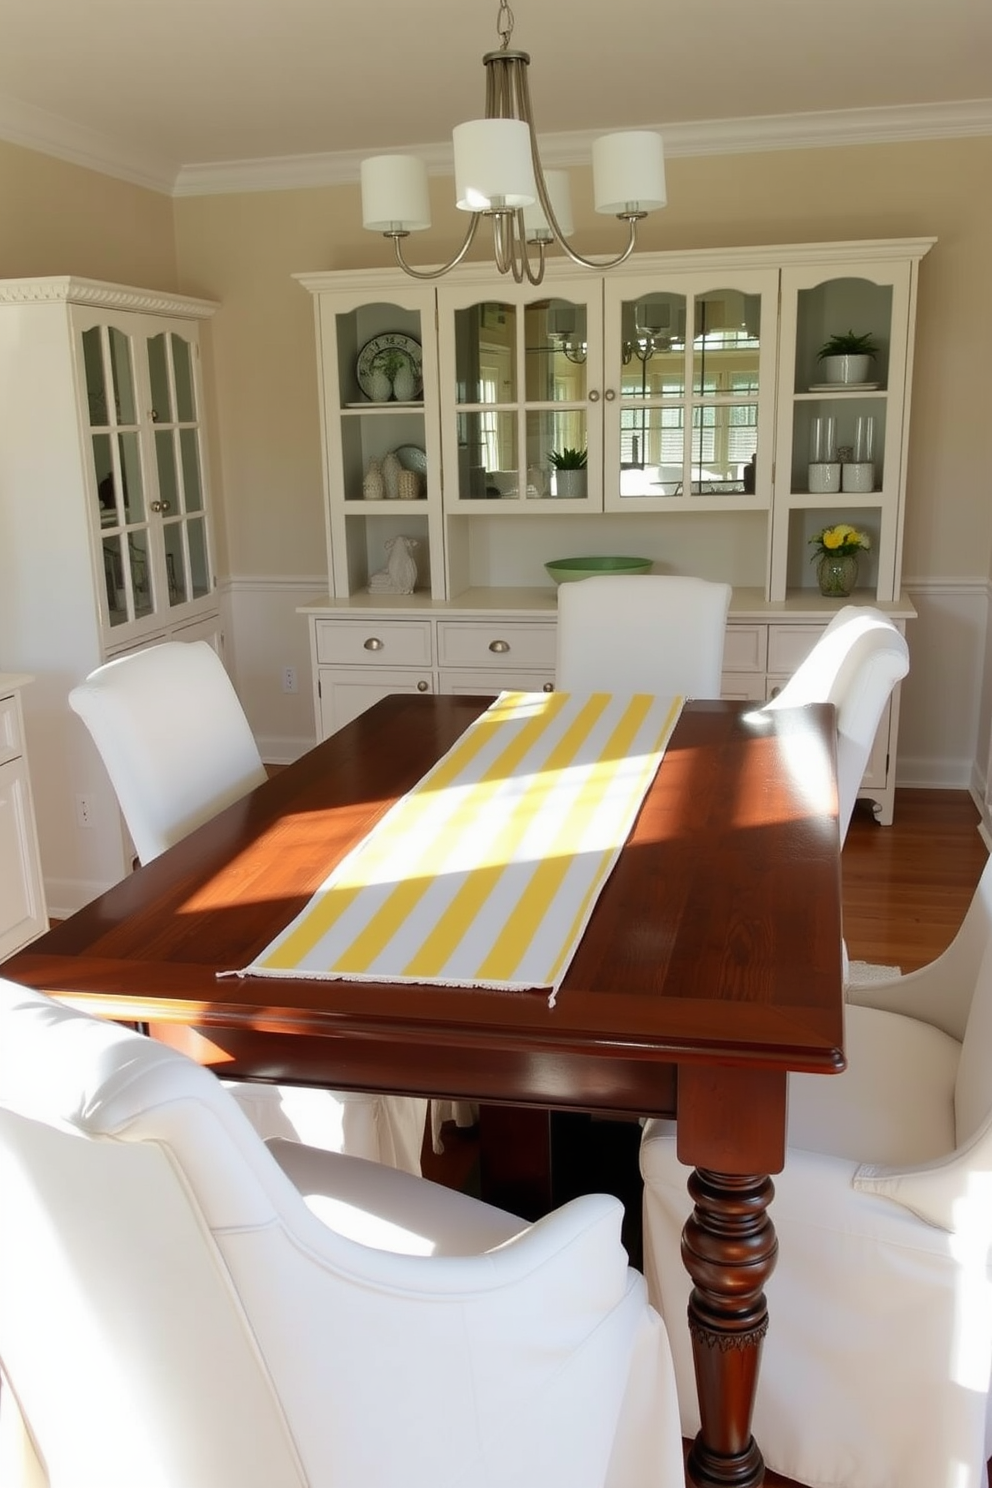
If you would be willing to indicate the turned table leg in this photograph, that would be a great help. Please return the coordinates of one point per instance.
(729, 1250)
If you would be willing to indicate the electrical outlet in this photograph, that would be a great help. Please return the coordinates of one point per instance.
(289, 679)
(84, 811)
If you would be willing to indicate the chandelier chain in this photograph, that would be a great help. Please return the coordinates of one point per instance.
(504, 24)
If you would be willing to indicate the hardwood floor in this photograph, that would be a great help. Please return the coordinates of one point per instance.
(905, 892)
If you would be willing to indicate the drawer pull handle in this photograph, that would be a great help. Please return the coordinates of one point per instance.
(775, 692)
(422, 686)
(549, 687)
(373, 644)
(500, 647)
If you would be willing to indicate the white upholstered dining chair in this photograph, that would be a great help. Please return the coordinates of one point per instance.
(178, 748)
(855, 664)
(658, 633)
(184, 1306)
(876, 1366)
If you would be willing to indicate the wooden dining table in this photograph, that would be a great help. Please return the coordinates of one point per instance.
(709, 969)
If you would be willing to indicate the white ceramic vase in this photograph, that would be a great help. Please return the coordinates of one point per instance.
(391, 470)
(403, 384)
(380, 387)
(373, 486)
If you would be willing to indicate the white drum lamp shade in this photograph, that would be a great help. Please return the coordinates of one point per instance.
(493, 165)
(536, 223)
(394, 194)
(628, 172)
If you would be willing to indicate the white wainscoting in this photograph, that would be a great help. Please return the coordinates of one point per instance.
(264, 636)
(944, 697)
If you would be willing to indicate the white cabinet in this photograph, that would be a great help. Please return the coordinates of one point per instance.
(22, 899)
(107, 540)
(691, 382)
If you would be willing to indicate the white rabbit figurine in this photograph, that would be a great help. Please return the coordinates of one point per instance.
(400, 574)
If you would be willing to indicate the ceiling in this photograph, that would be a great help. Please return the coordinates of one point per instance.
(159, 88)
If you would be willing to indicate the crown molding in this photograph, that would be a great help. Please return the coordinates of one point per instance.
(68, 289)
(705, 137)
(50, 134)
(36, 129)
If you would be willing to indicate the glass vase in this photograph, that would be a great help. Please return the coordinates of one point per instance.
(837, 574)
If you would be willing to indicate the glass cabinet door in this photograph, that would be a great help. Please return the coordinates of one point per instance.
(178, 467)
(119, 474)
(692, 360)
(144, 431)
(524, 370)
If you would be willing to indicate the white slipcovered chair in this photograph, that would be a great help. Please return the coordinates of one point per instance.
(178, 1309)
(876, 1367)
(178, 749)
(855, 664)
(658, 633)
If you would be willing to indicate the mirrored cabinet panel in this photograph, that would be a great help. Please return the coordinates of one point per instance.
(522, 368)
(696, 390)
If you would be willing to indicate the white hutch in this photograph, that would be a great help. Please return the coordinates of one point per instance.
(691, 379)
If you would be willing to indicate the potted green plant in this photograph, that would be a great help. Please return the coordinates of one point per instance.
(846, 356)
(569, 466)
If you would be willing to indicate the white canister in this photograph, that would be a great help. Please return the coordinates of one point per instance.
(824, 476)
(858, 475)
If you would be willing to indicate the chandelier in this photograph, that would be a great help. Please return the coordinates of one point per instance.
(499, 175)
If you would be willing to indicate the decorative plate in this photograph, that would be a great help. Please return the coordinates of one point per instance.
(374, 356)
(843, 387)
(412, 457)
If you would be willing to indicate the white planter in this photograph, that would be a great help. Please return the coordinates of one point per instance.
(846, 368)
(571, 485)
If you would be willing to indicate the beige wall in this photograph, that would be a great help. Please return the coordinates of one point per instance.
(61, 219)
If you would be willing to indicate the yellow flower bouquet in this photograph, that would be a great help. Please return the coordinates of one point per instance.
(839, 542)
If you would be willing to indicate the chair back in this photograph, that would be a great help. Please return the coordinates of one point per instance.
(855, 664)
(121, 1336)
(174, 1314)
(657, 633)
(173, 737)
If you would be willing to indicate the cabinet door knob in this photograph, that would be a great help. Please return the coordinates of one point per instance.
(609, 395)
(549, 687)
(422, 687)
(373, 644)
(594, 395)
(500, 647)
(160, 506)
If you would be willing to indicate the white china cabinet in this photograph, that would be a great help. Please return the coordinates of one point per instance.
(107, 539)
(690, 380)
(22, 899)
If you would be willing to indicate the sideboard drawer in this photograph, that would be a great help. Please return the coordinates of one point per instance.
(374, 642)
(11, 743)
(788, 645)
(495, 643)
(745, 648)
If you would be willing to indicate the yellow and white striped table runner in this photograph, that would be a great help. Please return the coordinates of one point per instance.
(486, 873)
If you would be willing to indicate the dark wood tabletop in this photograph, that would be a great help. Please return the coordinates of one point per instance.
(714, 951)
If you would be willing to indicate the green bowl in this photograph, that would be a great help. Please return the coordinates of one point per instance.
(564, 570)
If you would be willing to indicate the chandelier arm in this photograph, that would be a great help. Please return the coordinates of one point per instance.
(473, 228)
(544, 196)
